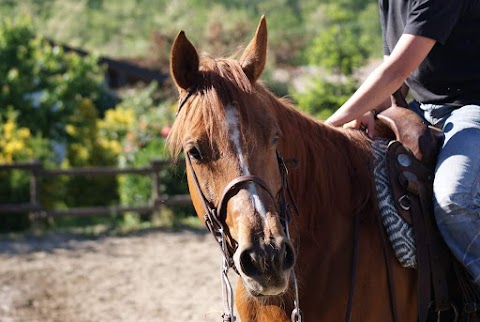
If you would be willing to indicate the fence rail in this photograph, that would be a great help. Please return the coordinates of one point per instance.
(37, 171)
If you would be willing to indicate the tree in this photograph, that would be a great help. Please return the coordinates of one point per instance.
(325, 97)
(350, 34)
(337, 47)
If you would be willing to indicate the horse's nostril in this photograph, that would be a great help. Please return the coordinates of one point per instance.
(268, 261)
(248, 263)
(289, 257)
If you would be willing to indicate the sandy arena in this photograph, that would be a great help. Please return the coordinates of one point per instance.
(153, 276)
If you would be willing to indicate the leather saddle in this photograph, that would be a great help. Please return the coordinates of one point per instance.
(414, 146)
(411, 158)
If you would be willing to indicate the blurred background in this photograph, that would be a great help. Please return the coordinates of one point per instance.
(84, 83)
(95, 221)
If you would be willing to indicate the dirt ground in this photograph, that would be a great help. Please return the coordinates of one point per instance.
(152, 276)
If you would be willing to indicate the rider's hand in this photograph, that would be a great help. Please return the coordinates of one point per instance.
(365, 123)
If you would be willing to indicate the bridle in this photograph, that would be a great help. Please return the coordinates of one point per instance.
(215, 220)
(215, 217)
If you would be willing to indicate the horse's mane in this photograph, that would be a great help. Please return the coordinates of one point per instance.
(334, 171)
(328, 157)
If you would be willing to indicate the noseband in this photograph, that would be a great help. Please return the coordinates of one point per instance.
(215, 217)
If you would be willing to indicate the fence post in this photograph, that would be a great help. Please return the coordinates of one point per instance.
(36, 172)
(155, 197)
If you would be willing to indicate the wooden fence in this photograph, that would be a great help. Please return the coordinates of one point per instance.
(37, 171)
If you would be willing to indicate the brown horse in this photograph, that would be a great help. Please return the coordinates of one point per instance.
(233, 132)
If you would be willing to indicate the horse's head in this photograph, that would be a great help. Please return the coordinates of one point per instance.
(229, 134)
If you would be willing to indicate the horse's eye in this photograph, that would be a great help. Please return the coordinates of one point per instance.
(194, 153)
(275, 139)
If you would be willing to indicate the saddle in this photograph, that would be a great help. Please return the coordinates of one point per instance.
(410, 159)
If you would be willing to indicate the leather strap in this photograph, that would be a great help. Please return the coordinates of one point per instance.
(232, 189)
(353, 273)
(415, 180)
(423, 265)
(438, 251)
(387, 255)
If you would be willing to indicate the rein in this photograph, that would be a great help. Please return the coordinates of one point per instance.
(215, 221)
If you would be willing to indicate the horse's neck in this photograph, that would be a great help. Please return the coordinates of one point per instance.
(334, 173)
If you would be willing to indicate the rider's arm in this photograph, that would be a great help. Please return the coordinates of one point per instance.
(388, 102)
(407, 55)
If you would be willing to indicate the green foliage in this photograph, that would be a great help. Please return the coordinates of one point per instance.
(85, 149)
(370, 30)
(349, 35)
(143, 141)
(337, 51)
(337, 47)
(60, 97)
(45, 93)
(14, 188)
(49, 89)
(147, 27)
(44, 84)
(17, 144)
(325, 97)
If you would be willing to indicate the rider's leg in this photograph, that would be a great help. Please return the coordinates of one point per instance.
(457, 187)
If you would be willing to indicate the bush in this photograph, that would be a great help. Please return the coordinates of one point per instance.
(143, 140)
(17, 144)
(337, 47)
(49, 105)
(325, 97)
(44, 84)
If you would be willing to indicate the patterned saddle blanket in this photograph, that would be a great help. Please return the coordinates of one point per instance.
(399, 232)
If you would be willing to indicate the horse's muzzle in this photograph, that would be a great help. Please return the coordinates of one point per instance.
(266, 266)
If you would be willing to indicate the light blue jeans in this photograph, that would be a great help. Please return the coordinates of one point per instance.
(456, 186)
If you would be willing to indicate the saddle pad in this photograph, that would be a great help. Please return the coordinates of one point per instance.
(399, 232)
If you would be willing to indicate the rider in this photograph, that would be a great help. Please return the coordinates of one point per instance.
(433, 47)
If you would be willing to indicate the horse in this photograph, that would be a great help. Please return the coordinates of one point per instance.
(290, 199)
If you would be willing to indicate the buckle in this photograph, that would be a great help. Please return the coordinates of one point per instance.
(404, 202)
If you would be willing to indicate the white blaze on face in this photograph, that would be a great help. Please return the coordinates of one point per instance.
(234, 131)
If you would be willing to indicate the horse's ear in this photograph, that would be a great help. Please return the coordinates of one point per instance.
(184, 62)
(255, 55)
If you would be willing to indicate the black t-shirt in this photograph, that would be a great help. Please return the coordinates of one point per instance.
(451, 71)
